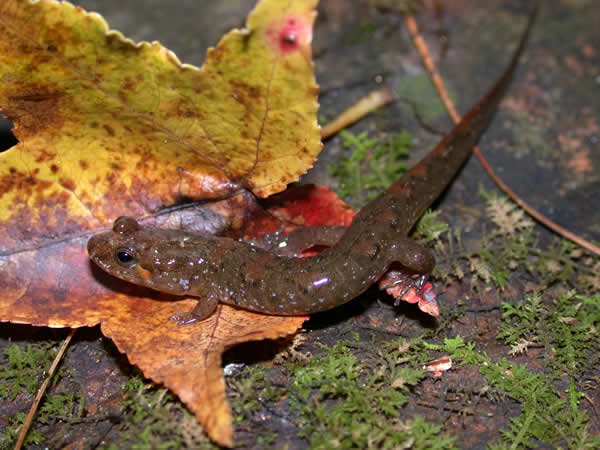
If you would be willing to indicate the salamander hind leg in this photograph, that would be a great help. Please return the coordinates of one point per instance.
(412, 256)
(203, 310)
(411, 263)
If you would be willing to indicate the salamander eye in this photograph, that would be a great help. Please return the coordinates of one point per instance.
(126, 257)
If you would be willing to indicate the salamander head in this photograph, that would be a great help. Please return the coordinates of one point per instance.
(141, 255)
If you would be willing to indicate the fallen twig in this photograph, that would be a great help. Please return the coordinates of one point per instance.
(364, 106)
(42, 390)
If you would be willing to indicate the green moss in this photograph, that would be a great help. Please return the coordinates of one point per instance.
(429, 228)
(152, 417)
(546, 416)
(344, 403)
(250, 388)
(13, 428)
(22, 368)
(510, 246)
(566, 326)
(372, 166)
(555, 319)
(59, 406)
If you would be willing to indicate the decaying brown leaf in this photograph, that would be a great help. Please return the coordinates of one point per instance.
(107, 127)
(187, 359)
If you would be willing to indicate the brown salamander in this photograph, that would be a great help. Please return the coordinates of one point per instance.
(218, 269)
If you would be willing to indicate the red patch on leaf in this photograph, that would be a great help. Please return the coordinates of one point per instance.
(292, 34)
(310, 205)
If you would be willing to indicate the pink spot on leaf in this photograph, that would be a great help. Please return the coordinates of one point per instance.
(288, 40)
(290, 35)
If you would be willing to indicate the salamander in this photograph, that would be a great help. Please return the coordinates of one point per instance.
(219, 269)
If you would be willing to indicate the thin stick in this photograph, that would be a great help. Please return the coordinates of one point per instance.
(532, 212)
(364, 106)
(42, 390)
(423, 50)
(439, 85)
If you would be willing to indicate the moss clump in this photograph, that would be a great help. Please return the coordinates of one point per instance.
(547, 416)
(154, 418)
(372, 166)
(22, 368)
(342, 403)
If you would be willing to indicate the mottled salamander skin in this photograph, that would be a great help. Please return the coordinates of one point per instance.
(218, 269)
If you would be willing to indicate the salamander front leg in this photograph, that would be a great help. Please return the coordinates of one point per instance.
(203, 310)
